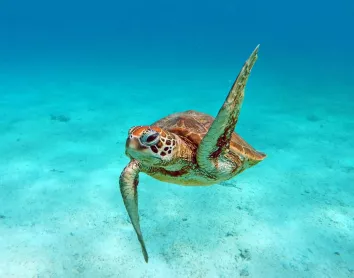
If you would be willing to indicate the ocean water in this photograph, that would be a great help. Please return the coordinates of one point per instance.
(76, 75)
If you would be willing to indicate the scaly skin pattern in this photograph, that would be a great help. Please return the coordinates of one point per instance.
(178, 158)
(178, 163)
(189, 148)
(174, 157)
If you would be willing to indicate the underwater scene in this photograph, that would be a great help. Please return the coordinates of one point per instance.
(176, 139)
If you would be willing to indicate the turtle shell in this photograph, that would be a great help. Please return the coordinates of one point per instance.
(193, 126)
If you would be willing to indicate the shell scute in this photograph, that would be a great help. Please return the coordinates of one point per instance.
(193, 126)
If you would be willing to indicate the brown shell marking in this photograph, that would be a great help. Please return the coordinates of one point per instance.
(193, 126)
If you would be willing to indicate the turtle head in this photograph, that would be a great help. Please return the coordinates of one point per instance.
(150, 145)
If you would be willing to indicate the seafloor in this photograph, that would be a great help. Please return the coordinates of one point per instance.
(62, 150)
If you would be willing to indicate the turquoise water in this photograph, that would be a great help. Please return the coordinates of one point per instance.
(74, 77)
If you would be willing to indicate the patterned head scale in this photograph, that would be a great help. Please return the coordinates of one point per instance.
(151, 140)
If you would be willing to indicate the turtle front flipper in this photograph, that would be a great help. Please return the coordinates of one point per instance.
(128, 183)
(217, 140)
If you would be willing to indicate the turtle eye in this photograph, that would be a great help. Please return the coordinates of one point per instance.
(150, 138)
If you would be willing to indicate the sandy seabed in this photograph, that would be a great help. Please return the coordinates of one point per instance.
(61, 213)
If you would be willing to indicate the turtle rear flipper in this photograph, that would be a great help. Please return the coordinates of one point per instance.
(218, 138)
(128, 183)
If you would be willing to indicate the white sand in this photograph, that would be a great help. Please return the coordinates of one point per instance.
(62, 150)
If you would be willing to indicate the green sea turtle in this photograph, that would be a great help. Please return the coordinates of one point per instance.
(188, 148)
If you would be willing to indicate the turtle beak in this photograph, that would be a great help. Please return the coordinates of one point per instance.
(131, 146)
(132, 143)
